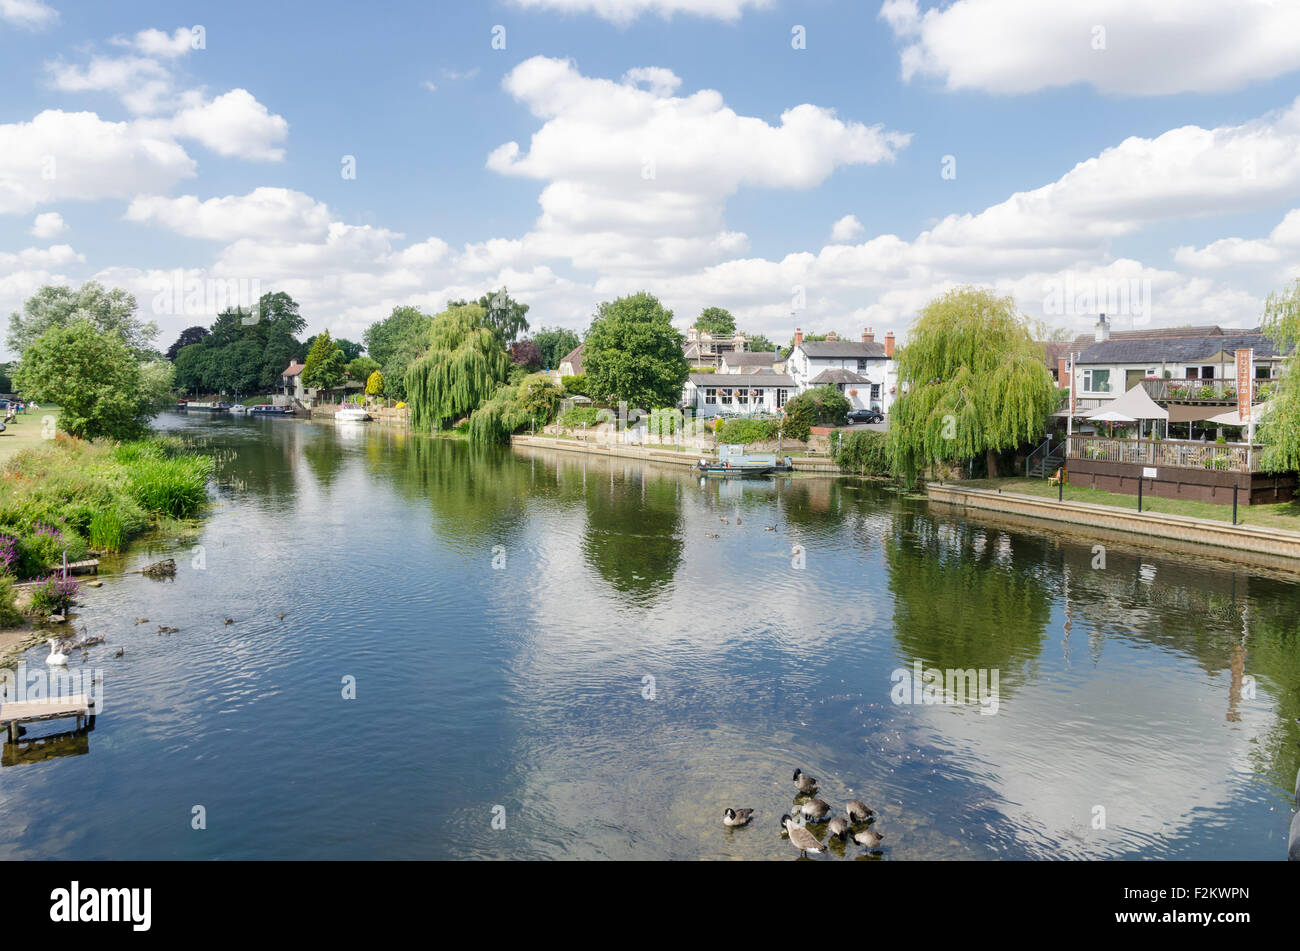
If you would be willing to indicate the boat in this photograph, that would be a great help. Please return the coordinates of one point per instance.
(351, 414)
(239, 409)
(732, 463)
(185, 405)
(270, 409)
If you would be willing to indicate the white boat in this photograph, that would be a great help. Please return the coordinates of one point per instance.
(239, 408)
(351, 414)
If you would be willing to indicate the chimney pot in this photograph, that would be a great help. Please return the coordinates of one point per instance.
(798, 336)
(868, 336)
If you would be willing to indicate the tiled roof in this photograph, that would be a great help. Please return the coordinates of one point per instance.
(294, 369)
(740, 381)
(838, 376)
(842, 348)
(762, 358)
(1156, 350)
(574, 357)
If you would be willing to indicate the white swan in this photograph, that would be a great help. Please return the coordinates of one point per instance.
(55, 657)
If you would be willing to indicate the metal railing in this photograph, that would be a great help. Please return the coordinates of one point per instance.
(1202, 391)
(1180, 454)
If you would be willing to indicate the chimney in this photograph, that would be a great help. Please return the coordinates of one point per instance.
(832, 336)
(1062, 371)
(1103, 330)
(889, 345)
(868, 336)
(798, 336)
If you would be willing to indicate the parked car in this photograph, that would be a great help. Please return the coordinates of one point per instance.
(865, 416)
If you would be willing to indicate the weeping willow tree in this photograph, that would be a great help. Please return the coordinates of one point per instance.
(1280, 429)
(534, 401)
(973, 381)
(461, 367)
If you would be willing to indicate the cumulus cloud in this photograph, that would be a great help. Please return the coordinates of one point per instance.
(1120, 47)
(846, 229)
(29, 14)
(1282, 244)
(625, 11)
(77, 155)
(276, 214)
(47, 225)
(234, 124)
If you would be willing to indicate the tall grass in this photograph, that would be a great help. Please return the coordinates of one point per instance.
(176, 487)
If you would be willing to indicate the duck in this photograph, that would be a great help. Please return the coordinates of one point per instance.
(801, 838)
(120, 652)
(858, 810)
(56, 658)
(230, 620)
(869, 837)
(838, 827)
(723, 520)
(736, 817)
(712, 535)
(142, 620)
(769, 528)
(816, 809)
(283, 615)
(804, 782)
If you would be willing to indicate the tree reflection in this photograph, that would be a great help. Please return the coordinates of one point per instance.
(633, 537)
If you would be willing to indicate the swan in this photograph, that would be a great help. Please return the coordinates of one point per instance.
(56, 658)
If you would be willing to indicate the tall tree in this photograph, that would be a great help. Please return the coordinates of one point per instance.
(325, 366)
(501, 313)
(461, 367)
(633, 353)
(92, 376)
(758, 343)
(188, 336)
(716, 321)
(973, 382)
(555, 343)
(384, 337)
(360, 368)
(527, 354)
(108, 311)
(1279, 430)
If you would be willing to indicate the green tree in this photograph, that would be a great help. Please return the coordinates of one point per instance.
(633, 353)
(188, 336)
(757, 343)
(277, 313)
(108, 311)
(93, 377)
(461, 367)
(360, 368)
(973, 381)
(375, 384)
(504, 315)
(822, 406)
(1279, 430)
(325, 366)
(396, 342)
(556, 343)
(716, 321)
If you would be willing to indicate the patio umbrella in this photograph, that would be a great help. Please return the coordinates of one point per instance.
(1110, 416)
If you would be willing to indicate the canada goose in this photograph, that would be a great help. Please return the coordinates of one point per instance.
(838, 827)
(804, 782)
(230, 620)
(857, 810)
(869, 837)
(56, 658)
(801, 838)
(282, 616)
(723, 520)
(816, 809)
(736, 817)
(120, 652)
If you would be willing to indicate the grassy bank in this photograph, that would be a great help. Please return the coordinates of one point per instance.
(71, 496)
(1285, 515)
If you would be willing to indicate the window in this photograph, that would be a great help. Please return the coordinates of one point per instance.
(1263, 373)
(862, 366)
(1096, 381)
(1193, 373)
(780, 397)
(726, 396)
(875, 391)
(760, 398)
(742, 397)
(710, 396)
(1207, 373)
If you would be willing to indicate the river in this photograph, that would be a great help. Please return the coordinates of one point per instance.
(496, 653)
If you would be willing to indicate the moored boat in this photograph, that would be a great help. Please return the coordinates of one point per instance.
(351, 414)
(270, 409)
(733, 463)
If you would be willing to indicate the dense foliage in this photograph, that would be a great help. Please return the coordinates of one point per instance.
(973, 381)
(533, 401)
(823, 406)
(556, 343)
(461, 367)
(396, 342)
(747, 431)
(716, 321)
(1279, 430)
(500, 313)
(863, 452)
(111, 312)
(632, 353)
(326, 364)
(244, 351)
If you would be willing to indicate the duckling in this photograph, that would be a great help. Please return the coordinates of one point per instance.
(857, 810)
(230, 620)
(801, 838)
(712, 535)
(804, 782)
(815, 809)
(723, 520)
(838, 827)
(142, 620)
(736, 817)
(769, 528)
(737, 519)
(869, 837)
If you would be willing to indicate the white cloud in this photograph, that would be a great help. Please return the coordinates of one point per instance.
(455, 75)
(47, 225)
(30, 14)
(1281, 245)
(429, 86)
(144, 85)
(638, 178)
(625, 11)
(167, 45)
(846, 229)
(77, 155)
(1150, 47)
(234, 124)
(274, 214)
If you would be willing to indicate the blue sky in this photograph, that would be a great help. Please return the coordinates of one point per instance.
(1190, 135)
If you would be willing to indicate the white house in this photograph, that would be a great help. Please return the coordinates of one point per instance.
(737, 394)
(748, 361)
(863, 370)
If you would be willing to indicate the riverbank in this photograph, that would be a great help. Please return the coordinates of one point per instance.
(666, 455)
(27, 431)
(1257, 544)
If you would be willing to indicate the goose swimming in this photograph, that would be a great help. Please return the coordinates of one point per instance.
(801, 838)
(56, 658)
(736, 817)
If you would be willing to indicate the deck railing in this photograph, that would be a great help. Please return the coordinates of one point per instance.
(1203, 391)
(1179, 454)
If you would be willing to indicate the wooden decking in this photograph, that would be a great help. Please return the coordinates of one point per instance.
(12, 714)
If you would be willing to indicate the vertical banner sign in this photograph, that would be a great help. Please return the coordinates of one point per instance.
(1245, 383)
(1069, 422)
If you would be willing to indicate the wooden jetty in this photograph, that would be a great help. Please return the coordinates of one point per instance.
(31, 711)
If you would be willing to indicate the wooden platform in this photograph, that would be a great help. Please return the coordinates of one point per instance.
(88, 567)
(12, 714)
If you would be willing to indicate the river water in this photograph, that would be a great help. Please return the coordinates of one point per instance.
(552, 656)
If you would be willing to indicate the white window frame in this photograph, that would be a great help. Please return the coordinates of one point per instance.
(1089, 376)
(710, 396)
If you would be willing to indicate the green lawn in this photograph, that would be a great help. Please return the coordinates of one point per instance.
(1286, 515)
(24, 432)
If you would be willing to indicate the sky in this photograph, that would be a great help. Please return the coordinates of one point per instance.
(825, 164)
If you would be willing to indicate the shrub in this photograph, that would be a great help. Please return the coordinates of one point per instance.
(9, 613)
(579, 416)
(575, 385)
(53, 595)
(823, 406)
(177, 487)
(747, 430)
(863, 452)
